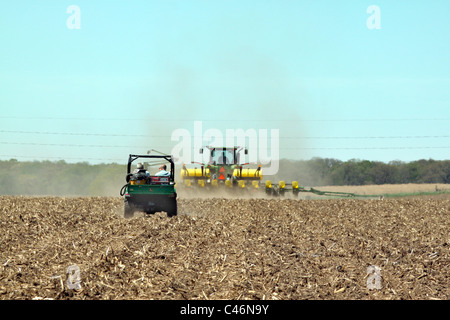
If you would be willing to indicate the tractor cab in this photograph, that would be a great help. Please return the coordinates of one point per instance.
(224, 156)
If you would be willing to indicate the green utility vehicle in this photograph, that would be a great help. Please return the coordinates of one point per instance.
(149, 193)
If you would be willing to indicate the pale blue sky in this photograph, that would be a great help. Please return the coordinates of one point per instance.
(138, 70)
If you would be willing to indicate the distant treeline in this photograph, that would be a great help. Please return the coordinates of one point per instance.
(60, 178)
(84, 179)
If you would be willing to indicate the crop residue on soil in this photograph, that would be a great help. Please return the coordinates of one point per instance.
(225, 249)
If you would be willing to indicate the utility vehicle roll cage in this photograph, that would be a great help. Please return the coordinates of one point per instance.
(169, 159)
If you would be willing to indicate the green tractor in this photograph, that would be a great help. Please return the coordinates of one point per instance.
(223, 169)
(149, 193)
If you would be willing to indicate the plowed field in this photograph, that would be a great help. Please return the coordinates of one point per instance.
(225, 249)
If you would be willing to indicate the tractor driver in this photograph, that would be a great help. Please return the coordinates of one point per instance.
(223, 159)
(163, 171)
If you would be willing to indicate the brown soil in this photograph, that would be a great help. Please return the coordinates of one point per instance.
(225, 249)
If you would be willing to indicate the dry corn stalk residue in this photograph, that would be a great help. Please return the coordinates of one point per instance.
(274, 249)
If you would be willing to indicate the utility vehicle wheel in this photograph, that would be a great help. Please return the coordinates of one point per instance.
(128, 210)
(172, 208)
